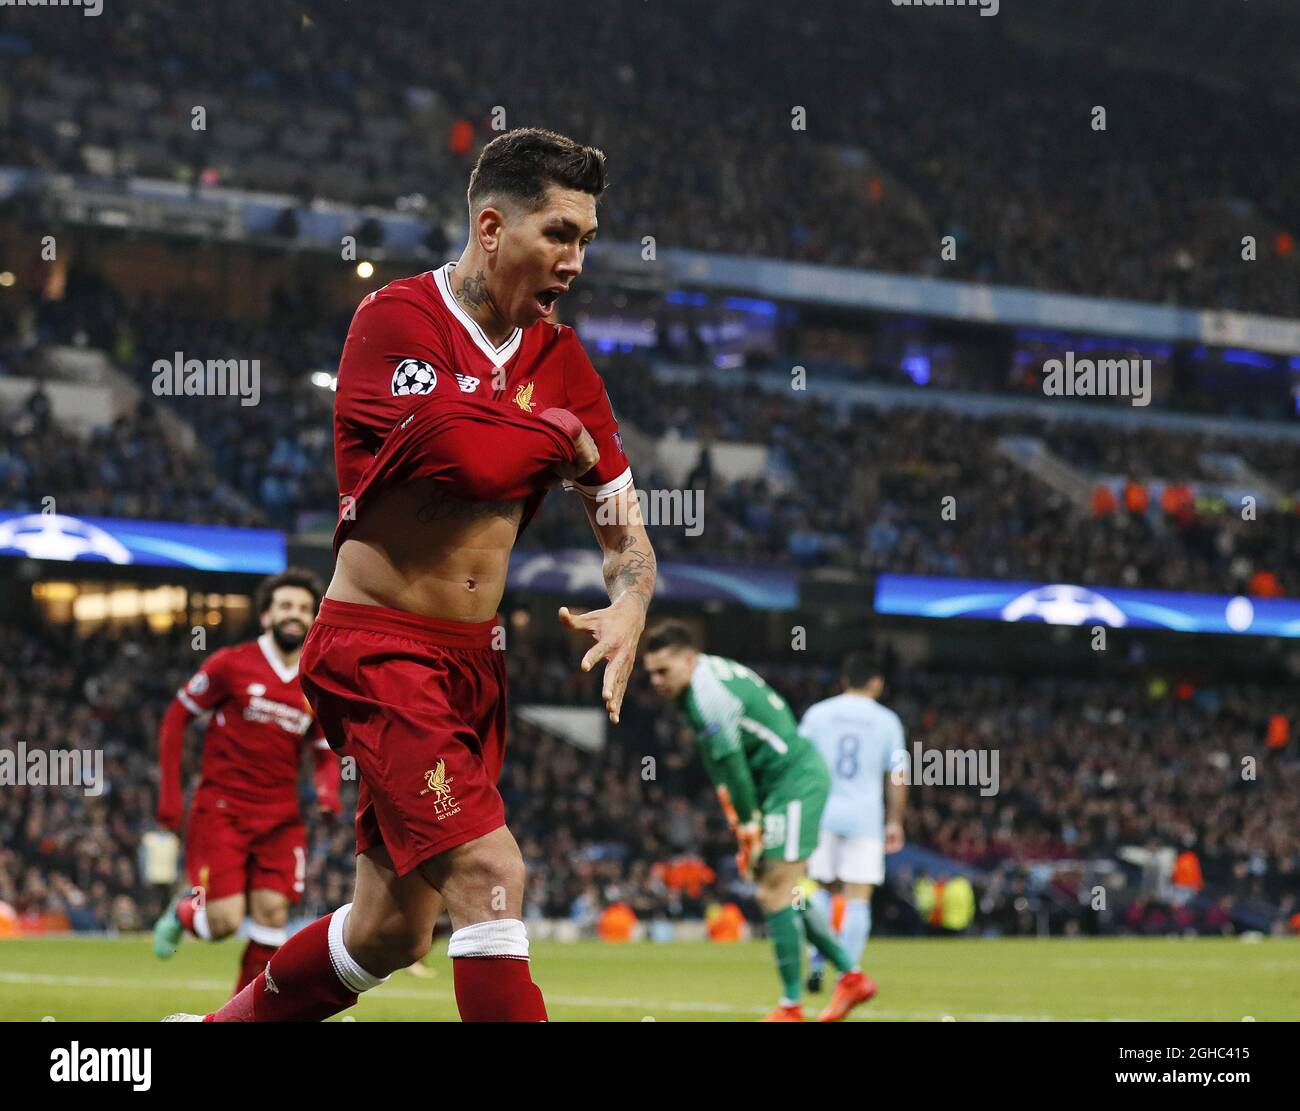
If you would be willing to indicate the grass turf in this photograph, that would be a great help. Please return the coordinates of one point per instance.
(920, 980)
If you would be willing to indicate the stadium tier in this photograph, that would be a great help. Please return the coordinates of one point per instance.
(830, 485)
(1028, 199)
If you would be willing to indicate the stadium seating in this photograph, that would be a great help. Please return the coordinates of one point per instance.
(316, 106)
(852, 487)
(1086, 768)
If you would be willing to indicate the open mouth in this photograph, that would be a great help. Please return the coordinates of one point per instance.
(546, 299)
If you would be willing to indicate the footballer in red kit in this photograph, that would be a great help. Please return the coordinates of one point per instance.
(402, 347)
(459, 403)
(246, 845)
(412, 339)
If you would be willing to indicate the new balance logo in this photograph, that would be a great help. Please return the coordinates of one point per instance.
(468, 382)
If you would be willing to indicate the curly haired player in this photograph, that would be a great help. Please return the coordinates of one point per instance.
(246, 846)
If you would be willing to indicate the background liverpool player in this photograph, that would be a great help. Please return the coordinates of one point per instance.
(246, 845)
(434, 490)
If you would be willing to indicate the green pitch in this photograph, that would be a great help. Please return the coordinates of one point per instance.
(923, 980)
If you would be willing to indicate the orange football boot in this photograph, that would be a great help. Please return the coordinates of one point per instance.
(851, 989)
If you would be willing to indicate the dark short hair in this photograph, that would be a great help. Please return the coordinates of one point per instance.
(522, 164)
(291, 576)
(859, 668)
(667, 634)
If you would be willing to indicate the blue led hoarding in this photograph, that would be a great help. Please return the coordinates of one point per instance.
(1071, 604)
(56, 536)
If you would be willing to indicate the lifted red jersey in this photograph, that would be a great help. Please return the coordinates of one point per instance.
(260, 721)
(411, 344)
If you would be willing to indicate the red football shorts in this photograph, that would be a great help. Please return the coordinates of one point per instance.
(420, 705)
(233, 847)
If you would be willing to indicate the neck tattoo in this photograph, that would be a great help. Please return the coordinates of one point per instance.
(473, 292)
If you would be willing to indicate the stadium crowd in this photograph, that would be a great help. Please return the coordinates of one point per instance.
(586, 821)
(1032, 191)
(1086, 768)
(127, 468)
(829, 495)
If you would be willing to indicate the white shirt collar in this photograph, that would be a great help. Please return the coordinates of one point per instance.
(267, 644)
(498, 355)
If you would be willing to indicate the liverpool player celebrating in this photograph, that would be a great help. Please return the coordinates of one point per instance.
(246, 849)
(458, 403)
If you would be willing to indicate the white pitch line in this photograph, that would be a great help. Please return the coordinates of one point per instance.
(646, 1006)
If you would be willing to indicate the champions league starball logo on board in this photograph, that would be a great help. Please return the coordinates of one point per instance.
(1074, 604)
(59, 538)
(1063, 604)
(54, 536)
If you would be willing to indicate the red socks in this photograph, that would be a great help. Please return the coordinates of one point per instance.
(252, 962)
(312, 976)
(186, 910)
(497, 989)
(493, 980)
(302, 983)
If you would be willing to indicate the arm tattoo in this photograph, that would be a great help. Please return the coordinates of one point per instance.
(631, 568)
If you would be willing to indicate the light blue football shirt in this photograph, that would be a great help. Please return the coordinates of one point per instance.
(861, 742)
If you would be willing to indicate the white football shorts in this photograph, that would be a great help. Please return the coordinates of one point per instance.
(847, 859)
